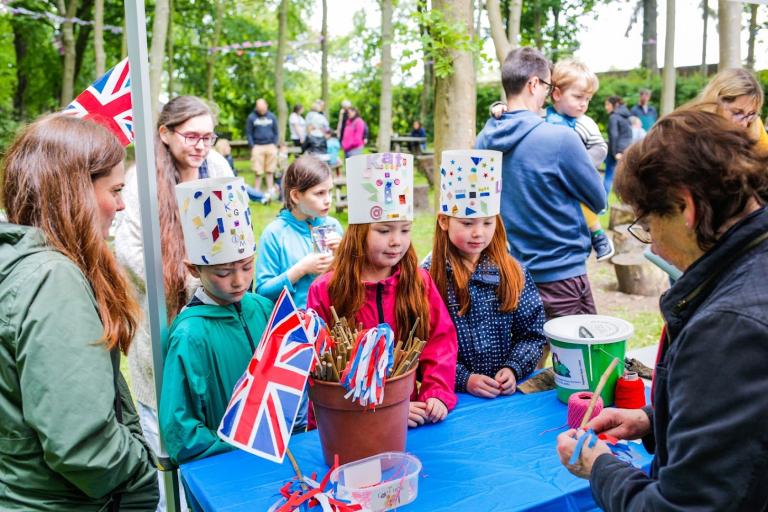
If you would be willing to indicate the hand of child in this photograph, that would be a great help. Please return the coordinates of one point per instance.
(483, 386)
(618, 156)
(316, 263)
(417, 414)
(507, 382)
(332, 240)
(436, 410)
(498, 109)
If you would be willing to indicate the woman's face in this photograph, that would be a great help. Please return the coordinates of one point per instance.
(189, 156)
(106, 191)
(672, 238)
(608, 107)
(741, 111)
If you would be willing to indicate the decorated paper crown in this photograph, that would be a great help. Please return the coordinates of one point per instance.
(470, 183)
(380, 187)
(215, 220)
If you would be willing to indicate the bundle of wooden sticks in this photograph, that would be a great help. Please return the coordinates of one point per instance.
(342, 349)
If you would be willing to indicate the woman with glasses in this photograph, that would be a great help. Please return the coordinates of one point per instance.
(619, 136)
(698, 187)
(736, 95)
(183, 141)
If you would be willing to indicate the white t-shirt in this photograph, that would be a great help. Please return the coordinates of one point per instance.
(298, 126)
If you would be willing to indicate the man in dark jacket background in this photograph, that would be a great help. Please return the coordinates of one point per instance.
(261, 131)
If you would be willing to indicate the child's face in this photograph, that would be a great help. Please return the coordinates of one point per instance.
(387, 243)
(470, 236)
(574, 100)
(313, 202)
(228, 282)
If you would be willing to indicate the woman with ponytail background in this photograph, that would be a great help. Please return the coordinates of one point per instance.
(69, 436)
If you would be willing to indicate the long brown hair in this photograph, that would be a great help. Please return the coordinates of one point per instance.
(48, 175)
(176, 112)
(347, 292)
(511, 277)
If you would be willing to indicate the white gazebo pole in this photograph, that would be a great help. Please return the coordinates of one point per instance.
(135, 24)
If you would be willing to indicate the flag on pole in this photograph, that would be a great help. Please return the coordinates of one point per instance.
(262, 411)
(108, 102)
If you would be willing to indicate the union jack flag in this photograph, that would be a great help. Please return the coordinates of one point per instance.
(108, 102)
(264, 404)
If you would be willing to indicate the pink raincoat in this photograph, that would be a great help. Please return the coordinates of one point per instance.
(437, 364)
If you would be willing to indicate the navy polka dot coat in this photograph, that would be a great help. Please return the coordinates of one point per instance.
(490, 340)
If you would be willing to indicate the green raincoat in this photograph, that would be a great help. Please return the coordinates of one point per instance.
(61, 445)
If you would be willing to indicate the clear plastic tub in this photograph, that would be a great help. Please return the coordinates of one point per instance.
(381, 482)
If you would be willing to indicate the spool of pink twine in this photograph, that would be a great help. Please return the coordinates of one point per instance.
(577, 407)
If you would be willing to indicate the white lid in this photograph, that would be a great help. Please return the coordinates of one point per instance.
(605, 329)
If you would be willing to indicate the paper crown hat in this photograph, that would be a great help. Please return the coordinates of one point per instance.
(380, 187)
(215, 220)
(470, 183)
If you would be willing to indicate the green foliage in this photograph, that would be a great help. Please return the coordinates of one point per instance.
(443, 38)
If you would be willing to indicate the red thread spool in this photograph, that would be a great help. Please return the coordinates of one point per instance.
(630, 392)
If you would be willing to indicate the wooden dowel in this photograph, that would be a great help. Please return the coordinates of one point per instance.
(598, 390)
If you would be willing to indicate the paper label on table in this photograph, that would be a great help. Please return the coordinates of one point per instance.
(570, 372)
(363, 475)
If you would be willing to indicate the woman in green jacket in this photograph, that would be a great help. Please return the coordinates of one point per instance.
(69, 435)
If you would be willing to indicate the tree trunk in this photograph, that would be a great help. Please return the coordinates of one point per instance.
(98, 38)
(705, 15)
(426, 102)
(20, 49)
(68, 10)
(555, 55)
(668, 78)
(455, 93)
(538, 40)
(385, 102)
(324, 94)
(729, 26)
(752, 36)
(513, 23)
(210, 66)
(282, 42)
(650, 36)
(157, 52)
(500, 41)
(170, 49)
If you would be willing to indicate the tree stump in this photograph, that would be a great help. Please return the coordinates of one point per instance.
(425, 164)
(624, 242)
(620, 214)
(421, 198)
(638, 276)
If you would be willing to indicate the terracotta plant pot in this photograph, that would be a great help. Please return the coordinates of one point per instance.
(355, 432)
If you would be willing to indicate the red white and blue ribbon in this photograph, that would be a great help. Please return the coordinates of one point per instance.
(371, 363)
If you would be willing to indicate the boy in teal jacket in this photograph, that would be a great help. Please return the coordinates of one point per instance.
(214, 337)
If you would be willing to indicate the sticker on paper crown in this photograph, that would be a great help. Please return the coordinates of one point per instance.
(380, 187)
(470, 183)
(215, 220)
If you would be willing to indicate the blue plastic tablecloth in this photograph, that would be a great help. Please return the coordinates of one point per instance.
(487, 455)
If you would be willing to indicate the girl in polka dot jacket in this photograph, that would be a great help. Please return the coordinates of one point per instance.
(493, 301)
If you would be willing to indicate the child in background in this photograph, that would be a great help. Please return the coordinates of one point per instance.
(333, 146)
(493, 301)
(288, 256)
(573, 85)
(376, 278)
(637, 128)
(214, 337)
(225, 150)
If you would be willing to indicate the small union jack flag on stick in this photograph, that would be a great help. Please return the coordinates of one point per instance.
(108, 102)
(260, 416)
